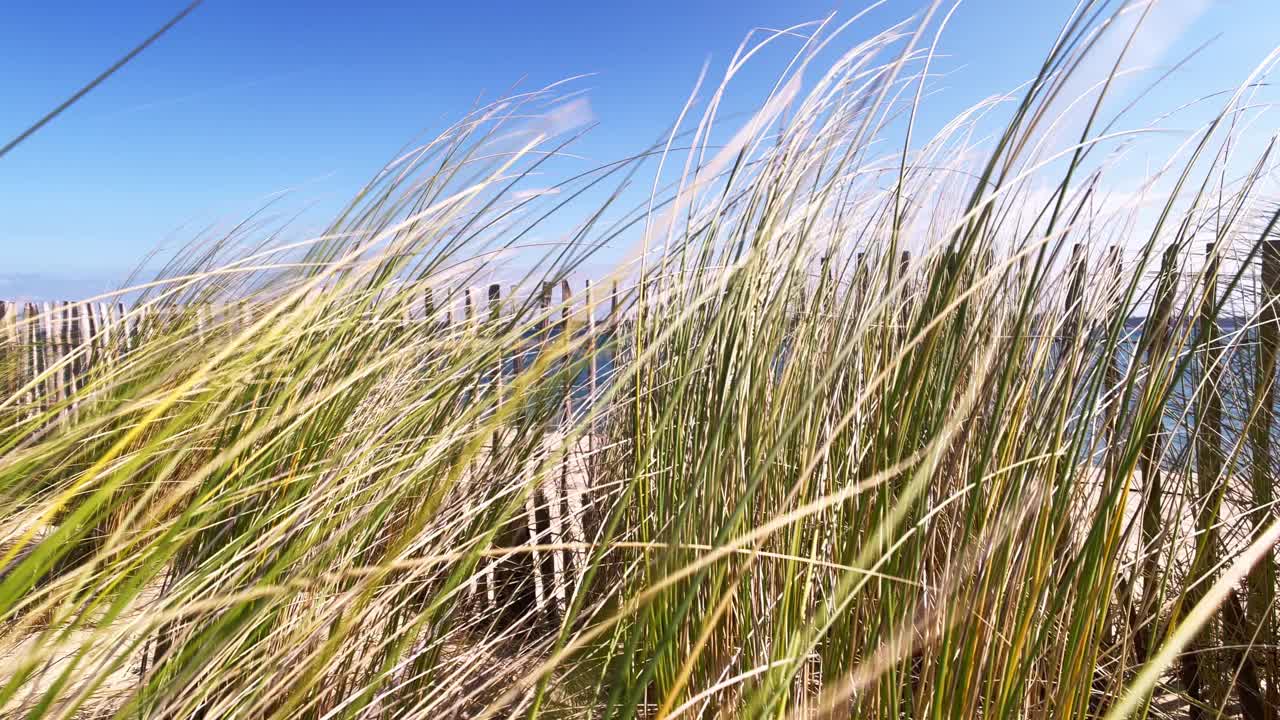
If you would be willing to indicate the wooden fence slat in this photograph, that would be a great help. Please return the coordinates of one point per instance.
(90, 326)
(544, 306)
(77, 365)
(62, 326)
(52, 348)
(429, 307)
(128, 327)
(12, 378)
(106, 327)
(32, 325)
(489, 578)
(1115, 273)
(559, 507)
(1074, 312)
(517, 358)
(904, 308)
(613, 307)
(1208, 416)
(592, 359)
(1156, 334)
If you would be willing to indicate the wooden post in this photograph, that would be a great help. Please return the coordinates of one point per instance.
(67, 341)
(91, 326)
(541, 496)
(1155, 343)
(1261, 581)
(129, 325)
(6, 343)
(1113, 384)
(592, 361)
(542, 325)
(53, 353)
(563, 501)
(566, 300)
(11, 378)
(14, 328)
(65, 373)
(495, 302)
(859, 283)
(1115, 267)
(429, 308)
(19, 355)
(613, 303)
(106, 327)
(1239, 637)
(73, 318)
(904, 310)
(544, 306)
(489, 579)
(34, 342)
(31, 358)
(1074, 313)
(495, 328)
(517, 360)
(1208, 416)
(1197, 670)
(566, 297)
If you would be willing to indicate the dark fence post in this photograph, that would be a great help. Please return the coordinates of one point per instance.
(78, 365)
(613, 306)
(58, 336)
(1206, 439)
(489, 578)
(544, 308)
(1208, 417)
(1113, 384)
(10, 371)
(35, 338)
(1262, 577)
(1115, 268)
(592, 362)
(495, 327)
(1154, 343)
(561, 509)
(93, 329)
(429, 308)
(1074, 311)
(904, 309)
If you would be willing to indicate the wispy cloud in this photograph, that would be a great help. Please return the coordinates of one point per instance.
(198, 94)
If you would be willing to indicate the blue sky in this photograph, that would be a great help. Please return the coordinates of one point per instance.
(245, 99)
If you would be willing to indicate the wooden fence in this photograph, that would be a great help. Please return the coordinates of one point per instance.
(73, 337)
(46, 334)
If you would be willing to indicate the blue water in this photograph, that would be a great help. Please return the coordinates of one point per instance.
(1237, 373)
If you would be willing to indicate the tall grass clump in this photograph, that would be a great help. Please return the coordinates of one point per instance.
(880, 425)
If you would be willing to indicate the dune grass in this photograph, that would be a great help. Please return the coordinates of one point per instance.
(1001, 478)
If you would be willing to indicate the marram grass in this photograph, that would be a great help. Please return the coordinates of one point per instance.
(1012, 474)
